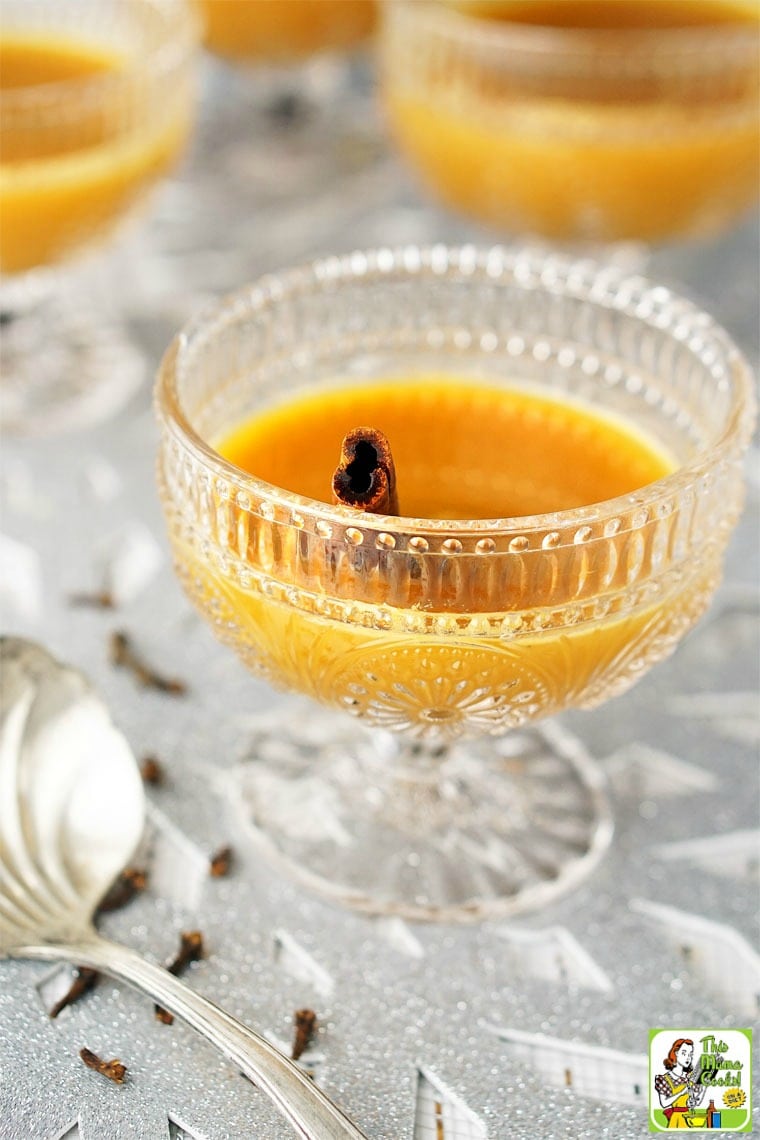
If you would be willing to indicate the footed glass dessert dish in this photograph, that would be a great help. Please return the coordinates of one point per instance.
(610, 125)
(96, 105)
(568, 447)
(288, 122)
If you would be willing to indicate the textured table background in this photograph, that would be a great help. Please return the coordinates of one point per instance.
(411, 1017)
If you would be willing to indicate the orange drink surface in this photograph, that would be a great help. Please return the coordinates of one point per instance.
(275, 31)
(459, 643)
(602, 14)
(604, 150)
(462, 449)
(65, 182)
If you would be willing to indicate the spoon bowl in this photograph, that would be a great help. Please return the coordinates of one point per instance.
(72, 812)
(72, 807)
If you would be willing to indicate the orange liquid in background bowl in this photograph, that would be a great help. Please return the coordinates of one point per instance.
(462, 449)
(278, 31)
(568, 160)
(65, 187)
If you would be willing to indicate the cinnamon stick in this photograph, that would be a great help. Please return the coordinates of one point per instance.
(365, 477)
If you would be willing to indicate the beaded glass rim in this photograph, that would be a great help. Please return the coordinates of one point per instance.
(181, 35)
(693, 48)
(653, 305)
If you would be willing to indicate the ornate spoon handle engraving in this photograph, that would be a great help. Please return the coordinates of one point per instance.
(311, 1113)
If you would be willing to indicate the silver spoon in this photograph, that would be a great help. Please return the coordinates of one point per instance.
(72, 812)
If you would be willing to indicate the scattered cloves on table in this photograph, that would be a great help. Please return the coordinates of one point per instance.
(114, 1069)
(84, 980)
(152, 771)
(219, 863)
(123, 655)
(95, 599)
(305, 1021)
(190, 950)
(129, 883)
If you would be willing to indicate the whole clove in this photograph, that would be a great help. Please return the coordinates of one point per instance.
(123, 655)
(220, 862)
(95, 599)
(305, 1022)
(129, 883)
(152, 771)
(83, 982)
(190, 950)
(114, 1069)
(124, 888)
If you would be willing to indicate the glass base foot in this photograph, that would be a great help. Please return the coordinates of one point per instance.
(484, 829)
(64, 367)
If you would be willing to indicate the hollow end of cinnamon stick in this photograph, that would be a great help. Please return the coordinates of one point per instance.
(365, 477)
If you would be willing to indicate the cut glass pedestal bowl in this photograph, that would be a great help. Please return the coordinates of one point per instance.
(591, 136)
(446, 640)
(95, 109)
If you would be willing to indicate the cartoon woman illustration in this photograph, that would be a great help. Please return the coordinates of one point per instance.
(677, 1088)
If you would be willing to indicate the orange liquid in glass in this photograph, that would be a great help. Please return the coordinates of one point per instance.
(462, 448)
(576, 163)
(283, 30)
(61, 187)
(613, 14)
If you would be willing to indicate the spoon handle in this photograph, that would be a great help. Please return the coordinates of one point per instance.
(312, 1114)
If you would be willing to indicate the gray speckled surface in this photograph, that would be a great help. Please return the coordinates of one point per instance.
(390, 1000)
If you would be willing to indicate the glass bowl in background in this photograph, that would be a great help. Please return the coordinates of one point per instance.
(446, 640)
(585, 135)
(96, 103)
(289, 129)
(285, 31)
